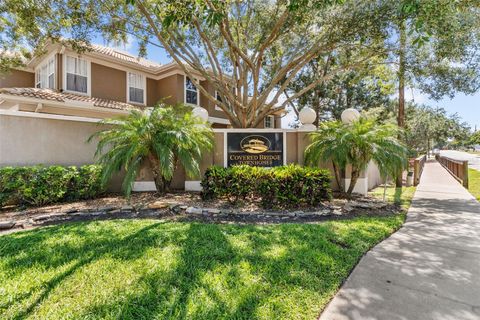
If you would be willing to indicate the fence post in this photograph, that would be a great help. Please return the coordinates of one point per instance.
(416, 172)
(465, 174)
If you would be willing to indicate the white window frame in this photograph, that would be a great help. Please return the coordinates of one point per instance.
(144, 80)
(39, 67)
(272, 122)
(89, 75)
(185, 93)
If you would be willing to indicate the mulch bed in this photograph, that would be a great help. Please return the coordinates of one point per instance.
(184, 206)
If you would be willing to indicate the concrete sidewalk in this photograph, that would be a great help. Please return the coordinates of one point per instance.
(429, 269)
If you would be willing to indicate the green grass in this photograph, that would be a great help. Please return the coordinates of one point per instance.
(146, 269)
(402, 196)
(474, 183)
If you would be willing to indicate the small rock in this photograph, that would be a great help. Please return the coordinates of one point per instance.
(158, 205)
(72, 210)
(212, 210)
(4, 225)
(173, 205)
(337, 212)
(183, 207)
(98, 213)
(42, 217)
(175, 208)
(106, 208)
(127, 208)
(193, 210)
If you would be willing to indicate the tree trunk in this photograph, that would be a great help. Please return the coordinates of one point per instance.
(353, 180)
(338, 178)
(157, 176)
(401, 89)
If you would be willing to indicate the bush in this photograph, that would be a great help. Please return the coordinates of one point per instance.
(285, 186)
(39, 185)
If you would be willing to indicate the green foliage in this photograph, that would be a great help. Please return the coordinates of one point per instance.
(286, 186)
(165, 136)
(357, 144)
(36, 186)
(474, 139)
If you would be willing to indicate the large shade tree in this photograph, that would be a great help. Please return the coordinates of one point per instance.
(227, 43)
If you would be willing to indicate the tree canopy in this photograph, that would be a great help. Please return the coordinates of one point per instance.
(251, 52)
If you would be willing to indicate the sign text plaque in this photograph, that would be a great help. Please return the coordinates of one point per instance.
(255, 149)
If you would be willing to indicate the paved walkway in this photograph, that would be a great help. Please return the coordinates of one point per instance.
(429, 269)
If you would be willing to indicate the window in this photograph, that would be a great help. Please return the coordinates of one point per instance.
(136, 88)
(45, 74)
(269, 122)
(77, 75)
(191, 93)
(219, 98)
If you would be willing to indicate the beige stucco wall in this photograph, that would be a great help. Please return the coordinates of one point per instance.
(17, 79)
(169, 88)
(32, 141)
(28, 141)
(109, 83)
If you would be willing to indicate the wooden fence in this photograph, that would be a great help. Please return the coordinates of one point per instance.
(418, 165)
(457, 168)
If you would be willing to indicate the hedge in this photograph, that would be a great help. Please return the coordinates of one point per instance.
(286, 186)
(38, 185)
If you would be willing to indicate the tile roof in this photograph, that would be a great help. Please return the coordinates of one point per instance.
(54, 95)
(121, 55)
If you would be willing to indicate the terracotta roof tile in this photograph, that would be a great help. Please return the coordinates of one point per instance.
(118, 54)
(53, 95)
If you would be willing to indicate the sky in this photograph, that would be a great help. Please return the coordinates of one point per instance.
(467, 106)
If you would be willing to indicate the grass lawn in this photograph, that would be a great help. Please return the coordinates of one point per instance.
(149, 269)
(474, 183)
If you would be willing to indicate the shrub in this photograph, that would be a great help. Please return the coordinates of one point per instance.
(284, 186)
(39, 185)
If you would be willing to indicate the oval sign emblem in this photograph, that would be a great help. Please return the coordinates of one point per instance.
(255, 144)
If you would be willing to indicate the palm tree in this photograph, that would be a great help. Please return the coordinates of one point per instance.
(164, 137)
(357, 144)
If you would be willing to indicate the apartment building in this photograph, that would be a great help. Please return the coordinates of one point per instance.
(101, 83)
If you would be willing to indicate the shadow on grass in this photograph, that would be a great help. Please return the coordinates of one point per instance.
(222, 271)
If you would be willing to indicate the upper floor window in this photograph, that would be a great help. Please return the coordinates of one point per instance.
(269, 122)
(191, 93)
(45, 74)
(219, 98)
(77, 75)
(136, 88)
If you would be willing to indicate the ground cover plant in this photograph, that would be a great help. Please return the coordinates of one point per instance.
(38, 185)
(474, 183)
